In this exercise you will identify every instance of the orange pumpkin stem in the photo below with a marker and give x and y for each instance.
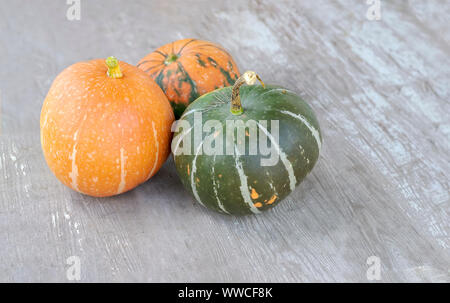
(113, 68)
(248, 78)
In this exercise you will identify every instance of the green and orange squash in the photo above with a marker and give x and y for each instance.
(236, 183)
(188, 68)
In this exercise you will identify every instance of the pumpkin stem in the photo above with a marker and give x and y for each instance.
(248, 78)
(170, 58)
(113, 68)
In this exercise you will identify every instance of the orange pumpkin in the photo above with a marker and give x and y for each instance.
(105, 127)
(188, 68)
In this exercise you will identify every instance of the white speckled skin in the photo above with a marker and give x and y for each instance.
(102, 136)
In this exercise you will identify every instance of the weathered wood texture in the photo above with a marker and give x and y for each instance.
(381, 186)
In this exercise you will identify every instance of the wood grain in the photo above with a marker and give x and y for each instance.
(381, 187)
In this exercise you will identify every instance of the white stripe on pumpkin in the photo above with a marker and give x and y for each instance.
(215, 185)
(194, 169)
(245, 193)
(155, 136)
(314, 131)
(287, 164)
(74, 172)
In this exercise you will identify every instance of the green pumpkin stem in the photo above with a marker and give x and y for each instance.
(170, 59)
(248, 78)
(113, 68)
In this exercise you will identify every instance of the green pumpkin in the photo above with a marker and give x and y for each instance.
(229, 177)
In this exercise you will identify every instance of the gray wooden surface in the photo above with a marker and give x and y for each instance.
(381, 187)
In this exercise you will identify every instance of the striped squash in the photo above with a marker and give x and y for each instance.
(236, 183)
(188, 68)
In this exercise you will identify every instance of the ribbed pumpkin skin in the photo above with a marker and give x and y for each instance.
(215, 180)
(103, 136)
(200, 67)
